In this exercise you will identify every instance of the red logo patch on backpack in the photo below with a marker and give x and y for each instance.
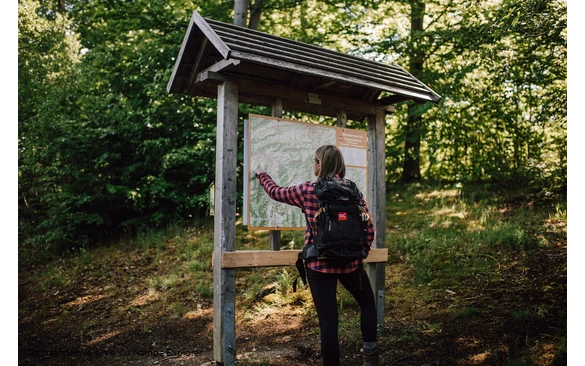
(342, 216)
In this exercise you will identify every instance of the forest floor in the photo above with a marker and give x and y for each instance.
(123, 305)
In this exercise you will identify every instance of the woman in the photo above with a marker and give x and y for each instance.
(323, 277)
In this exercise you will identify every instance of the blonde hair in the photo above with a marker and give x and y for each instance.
(331, 160)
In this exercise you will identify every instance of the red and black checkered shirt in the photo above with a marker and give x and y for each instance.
(303, 196)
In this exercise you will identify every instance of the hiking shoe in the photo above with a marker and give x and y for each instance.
(373, 359)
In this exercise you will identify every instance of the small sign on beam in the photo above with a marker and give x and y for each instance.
(313, 98)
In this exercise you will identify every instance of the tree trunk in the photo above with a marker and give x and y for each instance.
(240, 12)
(411, 166)
(413, 130)
(255, 14)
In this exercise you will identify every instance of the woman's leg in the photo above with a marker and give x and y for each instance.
(324, 288)
(365, 298)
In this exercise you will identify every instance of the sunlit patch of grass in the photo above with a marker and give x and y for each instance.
(440, 254)
(302, 299)
(448, 239)
(265, 309)
(268, 294)
(285, 281)
(152, 295)
(169, 281)
(560, 211)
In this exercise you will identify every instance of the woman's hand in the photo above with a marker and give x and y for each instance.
(259, 170)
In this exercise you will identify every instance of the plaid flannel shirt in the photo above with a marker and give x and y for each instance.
(303, 196)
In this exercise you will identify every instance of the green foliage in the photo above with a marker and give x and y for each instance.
(459, 232)
(109, 151)
(104, 151)
(500, 68)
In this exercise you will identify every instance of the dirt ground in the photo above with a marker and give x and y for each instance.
(100, 320)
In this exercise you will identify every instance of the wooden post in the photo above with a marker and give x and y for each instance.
(341, 118)
(224, 280)
(377, 205)
(275, 234)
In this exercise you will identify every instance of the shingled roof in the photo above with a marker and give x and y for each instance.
(308, 78)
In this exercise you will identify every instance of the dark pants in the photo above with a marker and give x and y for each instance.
(324, 290)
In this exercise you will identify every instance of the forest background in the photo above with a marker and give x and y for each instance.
(103, 150)
(105, 153)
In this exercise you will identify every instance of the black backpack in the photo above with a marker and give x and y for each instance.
(341, 222)
(341, 225)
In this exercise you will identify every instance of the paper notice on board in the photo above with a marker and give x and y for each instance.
(354, 146)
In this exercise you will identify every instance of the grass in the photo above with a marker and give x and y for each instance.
(445, 244)
(448, 238)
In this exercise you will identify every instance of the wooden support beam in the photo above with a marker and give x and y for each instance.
(275, 234)
(266, 258)
(201, 55)
(222, 65)
(377, 205)
(294, 95)
(341, 118)
(224, 279)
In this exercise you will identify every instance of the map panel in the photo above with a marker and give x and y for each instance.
(285, 149)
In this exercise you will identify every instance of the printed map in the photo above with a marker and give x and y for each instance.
(285, 149)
